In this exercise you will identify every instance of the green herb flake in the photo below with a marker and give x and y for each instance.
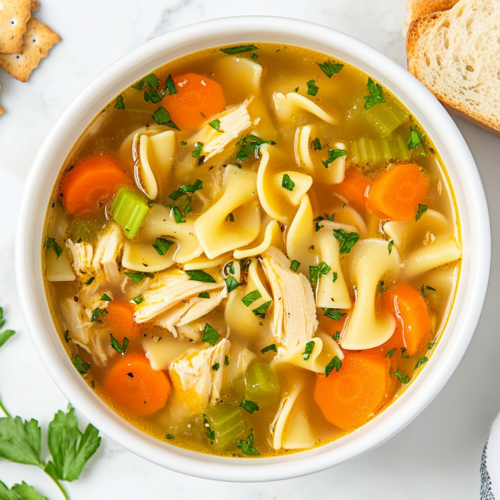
(204, 295)
(169, 436)
(178, 217)
(231, 284)
(312, 89)
(295, 266)
(153, 96)
(162, 117)
(421, 361)
(403, 353)
(162, 245)
(376, 94)
(254, 57)
(333, 314)
(197, 151)
(199, 275)
(335, 277)
(81, 367)
(250, 146)
(210, 335)
(239, 49)
(390, 353)
(251, 297)
(335, 363)
(415, 139)
(183, 143)
(106, 298)
(67, 337)
(230, 218)
(382, 287)
(431, 345)
(404, 379)
(52, 243)
(330, 68)
(151, 80)
(308, 350)
(336, 336)
(186, 188)
(287, 183)
(268, 348)
(215, 124)
(421, 211)
(169, 86)
(120, 104)
(226, 360)
(317, 145)
(216, 367)
(138, 277)
(317, 271)
(347, 240)
(138, 300)
(249, 406)
(389, 246)
(120, 349)
(96, 313)
(261, 311)
(334, 154)
(248, 448)
(90, 281)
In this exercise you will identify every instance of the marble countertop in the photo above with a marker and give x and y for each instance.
(435, 457)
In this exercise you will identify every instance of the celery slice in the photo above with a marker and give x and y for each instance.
(261, 382)
(129, 209)
(372, 152)
(224, 426)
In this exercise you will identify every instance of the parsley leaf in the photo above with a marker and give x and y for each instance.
(90, 281)
(287, 183)
(250, 145)
(138, 277)
(67, 337)
(421, 211)
(151, 80)
(81, 367)
(6, 335)
(262, 310)
(316, 271)
(333, 314)
(421, 361)
(376, 95)
(335, 363)
(347, 240)
(216, 367)
(247, 448)
(138, 299)
(308, 350)
(249, 406)
(268, 348)
(153, 96)
(215, 124)
(162, 245)
(162, 117)
(169, 86)
(251, 297)
(389, 246)
(169, 436)
(431, 345)
(294, 266)
(204, 295)
(335, 276)
(317, 144)
(336, 336)
(238, 49)
(197, 151)
(183, 143)
(70, 449)
(51, 243)
(210, 335)
(404, 379)
(106, 298)
(403, 353)
(254, 57)
(119, 104)
(186, 188)
(390, 353)
(96, 313)
(20, 441)
(415, 139)
(312, 89)
(231, 284)
(334, 154)
(199, 275)
(330, 68)
(179, 218)
(120, 349)
(21, 491)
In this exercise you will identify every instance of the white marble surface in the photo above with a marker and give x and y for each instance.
(435, 457)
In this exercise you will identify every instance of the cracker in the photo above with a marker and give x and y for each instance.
(37, 42)
(14, 16)
(34, 5)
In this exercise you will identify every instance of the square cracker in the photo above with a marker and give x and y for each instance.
(14, 16)
(37, 42)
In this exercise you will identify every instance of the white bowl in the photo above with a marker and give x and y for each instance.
(441, 129)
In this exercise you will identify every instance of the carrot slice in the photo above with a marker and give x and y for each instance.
(413, 320)
(399, 191)
(91, 182)
(197, 99)
(349, 397)
(120, 320)
(136, 387)
(353, 187)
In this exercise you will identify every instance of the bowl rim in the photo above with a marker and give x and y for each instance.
(461, 168)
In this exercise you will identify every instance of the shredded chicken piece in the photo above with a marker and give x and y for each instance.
(232, 125)
(82, 257)
(167, 290)
(107, 252)
(294, 311)
(196, 384)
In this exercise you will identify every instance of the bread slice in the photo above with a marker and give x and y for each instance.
(417, 8)
(456, 55)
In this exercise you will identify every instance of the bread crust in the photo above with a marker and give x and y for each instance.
(417, 8)
(418, 28)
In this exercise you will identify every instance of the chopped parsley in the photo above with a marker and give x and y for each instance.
(90, 281)
(106, 298)
(421, 361)
(215, 124)
(169, 436)
(287, 183)
(317, 144)
(347, 240)
(226, 360)
(183, 143)
(216, 367)
(230, 218)
(389, 246)
(151, 80)
(268, 348)
(162, 117)
(199, 275)
(198, 147)
(254, 57)
(425, 287)
(294, 266)
(334, 364)
(415, 139)
(404, 379)
(231, 284)
(179, 218)
(210, 335)
(335, 276)
(153, 96)
(312, 89)
(308, 350)
(330, 68)
(382, 287)
(333, 154)
(204, 295)
(376, 95)
(421, 211)
(317, 271)
(82, 367)
(403, 353)
(52, 243)
(431, 345)
(67, 337)
(119, 104)
(239, 49)
(250, 145)
(138, 300)
(169, 86)
(138, 277)
(262, 310)
(120, 349)
(96, 313)
(390, 353)
(251, 297)
(249, 406)
(247, 448)
(162, 245)
(333, 314)
(336, 336)
(187, 188)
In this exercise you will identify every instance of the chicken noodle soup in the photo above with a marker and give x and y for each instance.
(251, 251)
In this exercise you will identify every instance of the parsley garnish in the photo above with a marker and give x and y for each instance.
(199, 275)
(376, 95)
(254, 57)
(169, 86)
(295, 266)
(216, 367)
(67, 337)
(425, 287)
(250, 145)
(431, 345)
(389, 246)
(169, 436)
(336, 336)
(162, 117)
(247, 448)
(51, 243)
(421, 211)
(162, 245)
(415, 139)
(231, 284)
(238, 49)
(287, 183)
(249, 406)
(210, 335)
(81, 367)
(186, 188)
(347, 240)
(382, 287)
(198, 147)
(96, 313)
(316, 271)
(90, 281)
(230, 218)
(251, 297)
(183, 143)
(390, 353)
(153, 96)
(421, 361)
(138, 277)
(403, 353)
(119, 104)
(335, 363)
(204, 295)
(106, 298)
(215, 124)
(308, 350)
(333, 314)
(334, 154)
(335, 276)
(209, 432)
(120, 349)
(404, 379)
(262, 310)
(138, 299)
(329, 68)
(226, 360)
(271, 347)
(151, 80)
(312, 89)
(317, 144)
(179, 218)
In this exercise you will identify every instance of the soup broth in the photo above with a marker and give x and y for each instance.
(251, 251)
